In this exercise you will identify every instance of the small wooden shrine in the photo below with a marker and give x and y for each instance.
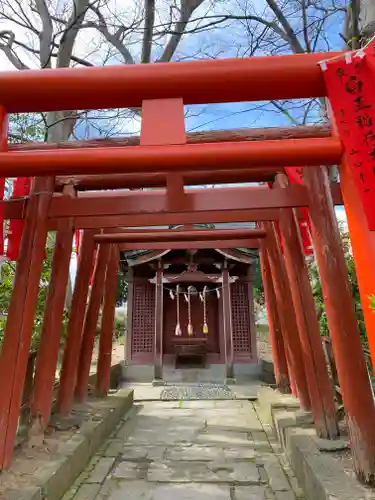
(189, 309)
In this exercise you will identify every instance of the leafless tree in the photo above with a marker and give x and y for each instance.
(57, 33)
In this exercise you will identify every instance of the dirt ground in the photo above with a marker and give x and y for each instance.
(28, 460)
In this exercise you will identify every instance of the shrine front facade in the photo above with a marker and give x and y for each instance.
(190, 311)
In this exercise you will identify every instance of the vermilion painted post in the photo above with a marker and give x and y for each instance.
(227, 324)
(48, 353)
(346, 342)
(319, 383)
(103, 374)
(20, 322)
(68, 376)
(91, 321)
(287, 316)
(276, 338)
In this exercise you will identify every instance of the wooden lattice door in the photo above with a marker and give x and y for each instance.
(143, 330)
(241, 321)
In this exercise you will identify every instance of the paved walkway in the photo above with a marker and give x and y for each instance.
(189, 450)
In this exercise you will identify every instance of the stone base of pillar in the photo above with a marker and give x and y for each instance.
(230, 381)
(158, 382)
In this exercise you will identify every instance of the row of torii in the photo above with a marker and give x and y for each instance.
(166, 157)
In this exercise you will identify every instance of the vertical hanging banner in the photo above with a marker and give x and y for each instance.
(294, 175)
(21, 189)
(77, 238)
(350, 82)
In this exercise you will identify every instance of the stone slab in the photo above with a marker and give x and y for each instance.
(226, 438)
(276, 476)
(332, 444)
(141, 490)
(87, 492)
(101, 470)
(204, 472)
(318, 474)
(249, 493)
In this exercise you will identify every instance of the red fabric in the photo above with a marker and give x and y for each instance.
(93, 264)
(2, 188)
(294, 175)
(350, 86)
(21, 188)
(77, 236)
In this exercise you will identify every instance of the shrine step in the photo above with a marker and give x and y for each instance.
(214, 373)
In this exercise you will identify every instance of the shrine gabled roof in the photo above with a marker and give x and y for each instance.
(135, 257)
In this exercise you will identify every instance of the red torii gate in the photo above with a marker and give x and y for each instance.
(164, 149)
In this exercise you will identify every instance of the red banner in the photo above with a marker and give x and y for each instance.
(294, 175)
(21, 188)
(351, 90)
(77, 237)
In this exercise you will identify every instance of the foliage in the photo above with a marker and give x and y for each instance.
(6, 287)
(122, 288)
(257, 283)
(26, 127)
(318, 292)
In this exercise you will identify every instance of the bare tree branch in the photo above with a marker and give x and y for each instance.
(45, 35)
(69, 37)
(292, 37)
(148, 31)
(114, 39)
(186, 10)
(6, 45)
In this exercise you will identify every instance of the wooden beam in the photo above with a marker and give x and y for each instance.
(179, 235)
(208, 136)
(132, 202)
(173, 158)
(196, 82)
(92, 210)
(170, 218)
(191, 245)
(136, 181)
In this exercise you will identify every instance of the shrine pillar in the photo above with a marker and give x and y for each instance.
(276, 337)
(45, 371)
(287, 316)
(68, 375)
(158, 336)
(18, 331)
(319, 383)
(103, 373)
(346, 342)
(227, 325)
(252, 326)
(91, 321)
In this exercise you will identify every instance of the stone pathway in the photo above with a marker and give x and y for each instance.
(189, 450)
